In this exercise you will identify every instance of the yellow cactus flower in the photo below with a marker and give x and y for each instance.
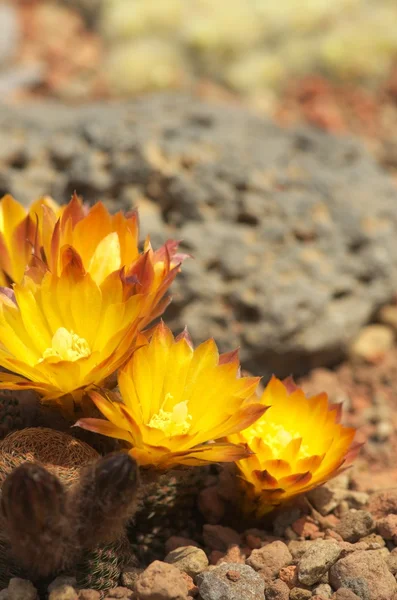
(176, 399)
(20, 236)
(297, 445)
(108, 244)
(104, 243)
(61, 334)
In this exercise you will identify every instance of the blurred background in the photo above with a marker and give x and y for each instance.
(332, 64)
(77, 50)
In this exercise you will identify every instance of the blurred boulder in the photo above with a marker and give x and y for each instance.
(294, 232)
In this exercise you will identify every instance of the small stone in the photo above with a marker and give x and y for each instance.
(89, 595)
(190, 560)
(192, 589)
(324, 590)
(222, 583)
(161, 581)
(233, 555)
(175, 542)
(21, 589)
(289, 575)
(388, 315)
(345, 594)
(317, 560)
(120, 592)
(277, 590)
(62, 580)
(366, 574)
(305, 527)
(387, 527)
(218, 537)
(63, 592)
(383, 503)
(354, 525)
(391, 561)
(372, 343)
(4, 594)
(272, 558)
(299, 594)
(299, 547)
(327, 497)
(130, 577)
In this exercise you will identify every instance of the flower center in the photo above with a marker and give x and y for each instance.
(67, 345)
(277, 438)
(177, 422)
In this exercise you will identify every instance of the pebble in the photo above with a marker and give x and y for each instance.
(4, 594)
(277, 590)
(387, 527)
(366, 573)
(21, 589)
(231, 581)
(63, 592)
(324, 590)
(192, 589)
(388, 316)
(271, 558)
(289, 575)
(235, 554)
(218, 537)
(120, 592)
(89, 595)
(305, 527)
(345, 594)
(372, 343)
(300, 594)
(327, 497)
(317, 560)
(62, 580)
(299, 547)
(130, 577)
(189, 559)
(161, 581)
(391, 561)
(354, 525)
(383, 503)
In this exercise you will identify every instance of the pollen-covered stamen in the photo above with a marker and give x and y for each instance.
(67, 345)
(177, 422)
(277, 438)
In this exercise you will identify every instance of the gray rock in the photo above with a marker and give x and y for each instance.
(317, 560)
(189, 559)
(21, 589)
(231, 581)
(355, 525)
(292, 254)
